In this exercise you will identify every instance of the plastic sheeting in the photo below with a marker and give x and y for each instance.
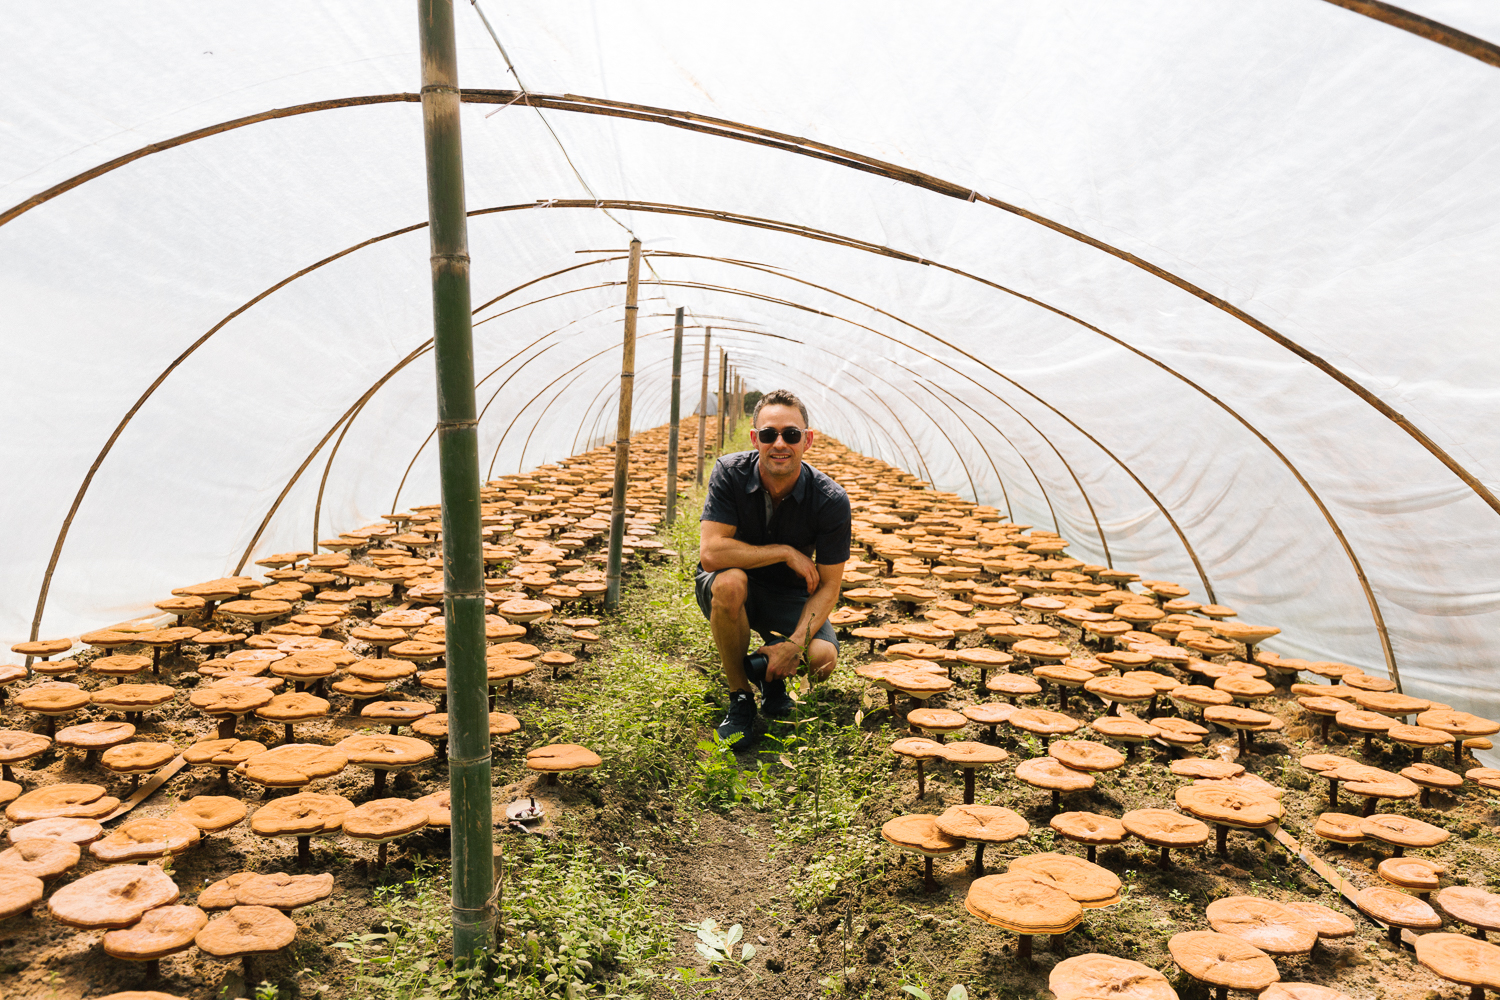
(1332, 176)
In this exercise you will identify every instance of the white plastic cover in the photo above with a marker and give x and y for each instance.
(1334, 177)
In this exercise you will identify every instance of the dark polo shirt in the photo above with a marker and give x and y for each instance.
(813, 519)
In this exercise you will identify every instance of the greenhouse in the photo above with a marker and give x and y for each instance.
(406, 408)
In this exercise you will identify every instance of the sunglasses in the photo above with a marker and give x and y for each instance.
(768, 435)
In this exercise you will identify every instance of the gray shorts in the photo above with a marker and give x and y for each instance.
(770, 609)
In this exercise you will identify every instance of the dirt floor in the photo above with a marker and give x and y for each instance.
(829, 908)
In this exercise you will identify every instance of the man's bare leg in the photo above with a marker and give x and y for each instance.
(822, 657)
(731, 626)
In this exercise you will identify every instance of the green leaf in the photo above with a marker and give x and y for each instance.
(747, 953)
(918, 992)
(958, 992)
(733, 937)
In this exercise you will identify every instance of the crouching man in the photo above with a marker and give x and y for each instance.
(774, 539)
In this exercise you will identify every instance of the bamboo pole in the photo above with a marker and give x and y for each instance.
(723, 403)
(473, 862)
(708, 338)
(622, 430)
(676, 418)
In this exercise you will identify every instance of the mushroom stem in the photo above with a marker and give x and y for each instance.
(304, 850)
(379, 781)
(153, 969)
(968, 786)
(1393, 935)
(380, 855)
(551, 777)
(1164, 860)
(978, 858)
(6, 774)
(1221, 840)
(1368, 746)
(928, 882)
(1056, 800)
(921, 780)
(1221, 993)
(1333, 792)
(226, 726)
(156, 659)
(1323, 723)
(1458, 749)
(51, 726)
(1425, 797)
(1370, 803)
(1091, 850)
(286, 736)
(890, 702)
(1023, 947)
(247, 969)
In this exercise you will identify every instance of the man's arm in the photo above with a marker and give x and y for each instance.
(719, 549)
(785, 656)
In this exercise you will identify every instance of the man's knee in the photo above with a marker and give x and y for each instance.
(822, 657)
(730, 587)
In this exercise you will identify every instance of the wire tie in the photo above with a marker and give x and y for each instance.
(973, 195)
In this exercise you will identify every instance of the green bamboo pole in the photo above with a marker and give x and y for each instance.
(708, 339)
(458, 454)
(622, 430)
(723, 403)
(676, 418)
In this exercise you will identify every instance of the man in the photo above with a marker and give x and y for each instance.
(774, 539)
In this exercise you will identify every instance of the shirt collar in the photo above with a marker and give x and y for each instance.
(799, 492)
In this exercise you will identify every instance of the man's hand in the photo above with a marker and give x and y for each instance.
(803, 567)
(783, 657)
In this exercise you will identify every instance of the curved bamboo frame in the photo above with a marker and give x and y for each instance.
(724, 128)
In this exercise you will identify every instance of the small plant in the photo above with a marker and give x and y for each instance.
(267, 991)
(718, 780)
(958, 992)
(719, 946)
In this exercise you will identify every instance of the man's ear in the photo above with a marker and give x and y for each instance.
(810, 436)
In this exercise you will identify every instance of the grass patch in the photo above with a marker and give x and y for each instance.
(573, 927)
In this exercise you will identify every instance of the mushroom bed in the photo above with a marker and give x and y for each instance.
(653, 843)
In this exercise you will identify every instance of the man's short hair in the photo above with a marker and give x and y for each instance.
(780, 397)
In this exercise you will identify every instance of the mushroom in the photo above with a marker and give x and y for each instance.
(222, 753)
(936, 722)
(303, 816)
(1091, 977)
(1402, 832)
(981, 825)
(919, 833)
(969, 756)
(1465, 904)
(52, 701)
(17, 746)
(1133, 732)
(227, 703)
(1086, 755)
(384, 820)
(1416, 874)
(1051, 774)
(1088, 829)
(136, 759)
(1243, 721)
(382, 754)
(1045, 724)
(1227, 807)
(291, 708)
(144, 839)
(256, 611)
(277, 890)
(39, 857)
(1341, 828)
(42, 649)
(1458, 725)
(18, 894)
(94, 737)
(1264, 923)
(991, 714)
(918, 749)
(1329, 923)
(133, 699)
(71, 800)
(435, 727)
(1462, 960)
(1019, 903)
(125, 665)
(165, 638)
(396, 713)
(1165, 830)
(211, 813)
(1012, 686)
(293, 765)
(1396, 909)
(1374, 784)
(1223, 962)
(561, 758)
(246, 932)
(1091, 885)
(1202, 767)
(75, 830)
(112, 897)
(163, 931)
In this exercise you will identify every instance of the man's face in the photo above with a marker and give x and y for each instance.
(779, 458)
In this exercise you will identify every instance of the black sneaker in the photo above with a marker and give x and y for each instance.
(739, 718)
(775, 703)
